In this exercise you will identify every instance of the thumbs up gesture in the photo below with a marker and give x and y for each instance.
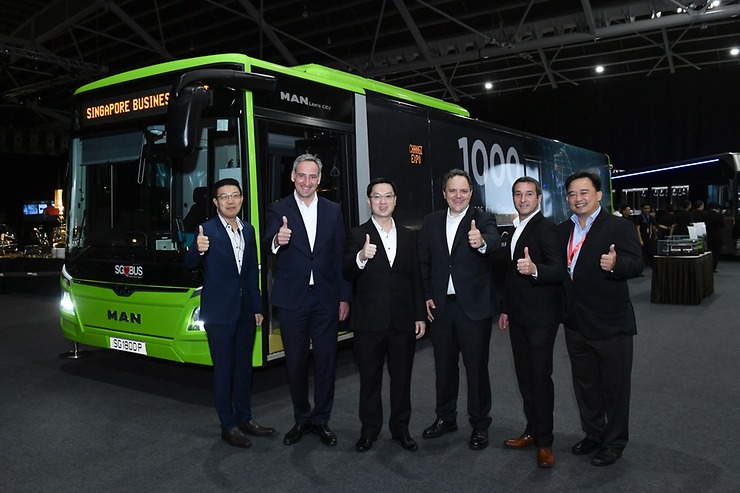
(475, 239)
(368, 249)
(283, 236)
(609, 259)
(525, 266)
(201, 241)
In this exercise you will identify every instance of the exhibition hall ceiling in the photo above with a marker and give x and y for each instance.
(460, 51)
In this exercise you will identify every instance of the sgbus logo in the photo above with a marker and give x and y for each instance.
(132, 271)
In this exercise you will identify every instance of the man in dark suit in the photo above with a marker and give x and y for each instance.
(715, 223)
(531, 308)
(231, 308)
(306, 234)
(387, 315)
(602, 252)
(454, 248)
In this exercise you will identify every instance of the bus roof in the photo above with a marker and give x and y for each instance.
(316, 73)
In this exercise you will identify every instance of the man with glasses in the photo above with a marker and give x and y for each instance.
(305, 232)
(455, 245)
(230, 308)
(382, 261)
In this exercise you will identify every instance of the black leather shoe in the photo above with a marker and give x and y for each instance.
(407, 442)
(585, 446)
(296, 433)
(235, 437)
(252, 428)
(439, 428)
(606, 457)
(326, 436)
(364, 444)
(479, 439)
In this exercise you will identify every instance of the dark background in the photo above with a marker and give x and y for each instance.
(638, 123)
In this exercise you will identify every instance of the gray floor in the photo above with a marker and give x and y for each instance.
(118, 422)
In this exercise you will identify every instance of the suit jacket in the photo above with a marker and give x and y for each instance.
(470, 269)
(526, 300)
(296, 260)
(597, 303)
(226, 292)
(384, 296)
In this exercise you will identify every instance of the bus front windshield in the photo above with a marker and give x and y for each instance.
(128, 195)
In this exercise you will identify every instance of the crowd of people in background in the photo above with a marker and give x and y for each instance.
(655, 225)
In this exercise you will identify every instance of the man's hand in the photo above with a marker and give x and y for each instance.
(343, 310)
(201, 241)
(475, 239)
(608, 260)
(503, 321)
(420, 328)
(525, 266)
(430, 306)
(282, 237)
(368, 250)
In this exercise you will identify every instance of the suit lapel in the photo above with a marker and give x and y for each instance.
(296, 224)
(521, 242)
(375, 239)
(462, 229)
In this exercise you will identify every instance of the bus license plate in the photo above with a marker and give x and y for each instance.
(128, 346)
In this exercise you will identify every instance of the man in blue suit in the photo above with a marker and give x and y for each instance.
(231, 308)
(305, 232)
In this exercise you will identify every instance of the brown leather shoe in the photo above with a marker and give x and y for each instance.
(523, 441)
(545, 457)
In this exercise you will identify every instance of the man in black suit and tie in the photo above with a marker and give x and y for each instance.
(602, 252)
(306, 234)
(531, 310)
(454, 248)
(387, 314)
(231, 308)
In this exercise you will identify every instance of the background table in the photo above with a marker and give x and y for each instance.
(683, 280)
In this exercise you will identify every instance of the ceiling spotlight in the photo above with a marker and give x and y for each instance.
(488, 86)
(599, 69)
(735, 51)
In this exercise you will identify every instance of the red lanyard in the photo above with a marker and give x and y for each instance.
(573, 250)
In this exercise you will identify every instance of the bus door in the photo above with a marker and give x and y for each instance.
(279, 143)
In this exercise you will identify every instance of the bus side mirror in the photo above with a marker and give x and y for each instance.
(189, 97)
(183, 117)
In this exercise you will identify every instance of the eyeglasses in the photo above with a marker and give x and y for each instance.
(377, 197)
(226, 196)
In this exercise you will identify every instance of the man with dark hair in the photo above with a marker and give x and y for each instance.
(666, 223)
(305, 232)
(697, 213)
(646, 233)
(602, 253)
(387, 315)
(715, 223)
(454, 248)
(531, 309)
(231, 308)
(683, 219)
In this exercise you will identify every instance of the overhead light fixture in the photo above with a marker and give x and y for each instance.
(488, 86)
(599, 69)
(735, 51)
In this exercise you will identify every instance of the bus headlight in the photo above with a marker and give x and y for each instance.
(66, 304)
(196, 325)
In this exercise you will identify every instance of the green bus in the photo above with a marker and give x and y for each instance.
(148, 144)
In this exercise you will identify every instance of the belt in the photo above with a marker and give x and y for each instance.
(451, 297)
